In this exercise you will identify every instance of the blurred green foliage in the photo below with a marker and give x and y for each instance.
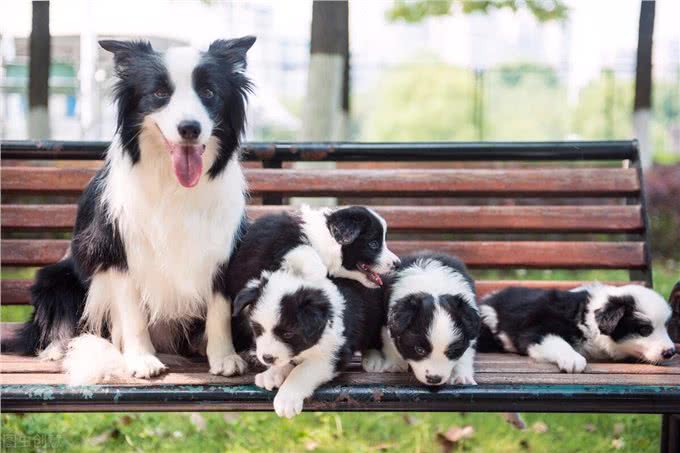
(416, 11)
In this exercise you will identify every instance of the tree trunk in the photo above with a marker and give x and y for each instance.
(326, 105)
(643, 81)
(39, 71)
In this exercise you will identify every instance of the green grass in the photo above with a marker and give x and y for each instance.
(333, 432)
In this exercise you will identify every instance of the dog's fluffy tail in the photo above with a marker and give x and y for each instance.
(58, 297)
(91, 359)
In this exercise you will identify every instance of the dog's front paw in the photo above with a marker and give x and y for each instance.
(373, 361)
(144, 366)
(466, 378)
(228, 365)
(271, 378)
(572, 363)
(52, 353)
(288, 404)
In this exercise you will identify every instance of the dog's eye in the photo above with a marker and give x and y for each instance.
(420, 351)
(646, 331)
(375, 245)
(288, 335)
(207, 93)
(162, 93)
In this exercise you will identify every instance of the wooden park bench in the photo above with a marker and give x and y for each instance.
(540, 208)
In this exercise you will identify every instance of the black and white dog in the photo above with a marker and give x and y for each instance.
(158, 223)
(598, 322)
(306, 329)
(345, 242)
(432, 321)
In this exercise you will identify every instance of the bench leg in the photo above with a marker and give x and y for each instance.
(670, 433)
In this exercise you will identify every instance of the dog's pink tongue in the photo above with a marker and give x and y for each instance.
(187, 163)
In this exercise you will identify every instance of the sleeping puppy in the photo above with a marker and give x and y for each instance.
(347, 242)
(306, 330)
(432, 321)
(568, 327)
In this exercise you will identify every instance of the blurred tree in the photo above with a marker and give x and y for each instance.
(39, 68)
(415, 11)
(643, 81)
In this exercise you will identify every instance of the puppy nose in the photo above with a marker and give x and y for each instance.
(433, 379)
(189, 130)
(668, 353)
(268, 359)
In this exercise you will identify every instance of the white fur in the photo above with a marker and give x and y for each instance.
(489, 317)
(91, 359)
(386, 259)
(556, 350)
(305, 262)
(441, 334)
(222, 356)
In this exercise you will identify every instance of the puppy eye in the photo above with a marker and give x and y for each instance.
(420, 351)
(646, 331)
(288, 335)
(162, 93)
(375, 245)
(207, 93)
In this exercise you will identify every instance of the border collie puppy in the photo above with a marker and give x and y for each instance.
(158, 223)
(674, 325)
(567, 327)
(346, 242)
(432, 321)
(306, 330)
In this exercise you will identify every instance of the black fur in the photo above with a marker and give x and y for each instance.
(617, 319)
(674, 324)
(360, 233)
(57, 298)
(527, 315)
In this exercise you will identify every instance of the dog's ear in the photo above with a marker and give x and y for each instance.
(609, 316)
(234, 50)
(313, 313)
(125, 51)
(246, 297)
(346, 224)
(403, 312)
(467, 317)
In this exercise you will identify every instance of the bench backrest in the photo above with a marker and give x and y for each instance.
(498, 206)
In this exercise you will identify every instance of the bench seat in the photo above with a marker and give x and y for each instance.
(507, 382)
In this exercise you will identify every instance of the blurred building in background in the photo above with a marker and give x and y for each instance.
(497, 76)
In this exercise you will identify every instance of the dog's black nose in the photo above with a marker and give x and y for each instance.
(668, 353)
(269, 359)
(189, 130)
(433, 379)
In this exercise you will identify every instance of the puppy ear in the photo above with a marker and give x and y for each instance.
(404, 311)
(609, 316)
(312, 316)
(125, 51)
(345, 225)
(467, 317)
(674, 324)
(245, 298)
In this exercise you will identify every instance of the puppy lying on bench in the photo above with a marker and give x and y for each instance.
(569, 327)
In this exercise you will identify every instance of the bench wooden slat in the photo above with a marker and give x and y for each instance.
(16, 292)
(409, 218)
(377, 379)
(530, 254)
(400, 182)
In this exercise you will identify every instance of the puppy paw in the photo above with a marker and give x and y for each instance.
(144, 366)
(228, 365)
(271, 378)
(288, 404)
(462, 379)
(52, 353)
(572, 363)
(372, 361)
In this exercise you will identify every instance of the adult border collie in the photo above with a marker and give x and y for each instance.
(157, 225)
